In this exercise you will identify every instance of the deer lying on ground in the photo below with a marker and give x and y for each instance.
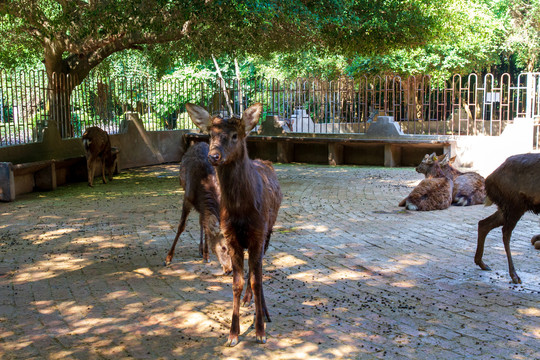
(469, 187)
(433, 193)
(513, 187)
(98, 148)
(250, 200)
(201, 191)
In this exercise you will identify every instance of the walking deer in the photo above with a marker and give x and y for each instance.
(250, 201)
(98, 148)
(513, 187)
(469, 187)
(201, 191)
(433, 193)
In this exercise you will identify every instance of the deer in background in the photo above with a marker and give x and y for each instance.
(201, 191)
(97, 147)
(469, 187)
(250, 200)
(433, 193)
(514, 188)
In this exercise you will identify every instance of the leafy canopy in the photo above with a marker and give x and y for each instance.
(76, 36)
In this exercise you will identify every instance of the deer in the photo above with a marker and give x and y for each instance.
(201, 191)
(469, 187)
(513, 187)
(250, 200)
(97, 147)
(433, 193)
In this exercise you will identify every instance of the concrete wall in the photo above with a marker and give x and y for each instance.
(485, 153)
(139, 147)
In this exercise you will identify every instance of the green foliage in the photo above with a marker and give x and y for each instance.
(524, 32)
(473, 41)
(76, 36)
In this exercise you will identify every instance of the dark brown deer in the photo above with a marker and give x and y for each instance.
(513, 187)
(250, 200)
(98, 148)
(469, 187)
(201, 191)
(434, 193)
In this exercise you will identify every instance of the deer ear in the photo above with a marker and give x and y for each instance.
(251, 116)
(199, 116)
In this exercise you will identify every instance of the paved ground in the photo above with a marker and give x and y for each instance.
(348, 275)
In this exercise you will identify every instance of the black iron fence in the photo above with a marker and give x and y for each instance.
(465, 105)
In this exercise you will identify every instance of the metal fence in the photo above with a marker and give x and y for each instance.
(465, 105)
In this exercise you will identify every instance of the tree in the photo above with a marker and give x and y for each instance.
(524, 39)
(473, 41)
(73, 37)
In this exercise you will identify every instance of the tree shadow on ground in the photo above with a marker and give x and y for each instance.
(82, 276)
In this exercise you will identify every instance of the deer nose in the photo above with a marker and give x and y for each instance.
(214, 158)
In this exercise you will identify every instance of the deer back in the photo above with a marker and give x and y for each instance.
(514, 184)
(96, 142)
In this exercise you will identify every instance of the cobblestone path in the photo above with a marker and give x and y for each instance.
(348, 275)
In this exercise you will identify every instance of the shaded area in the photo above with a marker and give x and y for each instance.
(348, 274)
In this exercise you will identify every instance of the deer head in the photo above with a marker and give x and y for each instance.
(227, 136)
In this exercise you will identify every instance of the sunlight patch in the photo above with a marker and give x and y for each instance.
(144, 271)
(530, 312)
(287, 260)
(404, 284)
(50, 268)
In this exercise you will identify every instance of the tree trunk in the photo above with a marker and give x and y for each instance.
(60, 89)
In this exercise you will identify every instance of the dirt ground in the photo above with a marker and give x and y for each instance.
(348, 275)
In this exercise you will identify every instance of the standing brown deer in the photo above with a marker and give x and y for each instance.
(98, 148)
(469, 187)
(250, 200)
(201, 191)
(513, 187)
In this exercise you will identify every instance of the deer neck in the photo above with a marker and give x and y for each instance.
(238, 183)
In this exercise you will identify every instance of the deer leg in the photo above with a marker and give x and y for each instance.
(484, 227)
(203, 243)
(507, 229)
(237, 257)
(181, 226)
(255, 277)
(248, 294)
(103, 171)
(266, 313)
(90, 170)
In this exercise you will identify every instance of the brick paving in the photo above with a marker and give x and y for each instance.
(348, 275)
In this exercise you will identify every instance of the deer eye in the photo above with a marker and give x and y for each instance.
(234, 137)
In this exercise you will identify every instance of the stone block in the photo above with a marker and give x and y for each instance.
(384, 127)
(7, 182)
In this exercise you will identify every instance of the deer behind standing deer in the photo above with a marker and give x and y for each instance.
(250, 200)
(514, 188)
(201, 191)
(98, 148)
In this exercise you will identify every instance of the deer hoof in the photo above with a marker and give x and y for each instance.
(516, 279)
(482, 265)
(232, 341)
(261, 339)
